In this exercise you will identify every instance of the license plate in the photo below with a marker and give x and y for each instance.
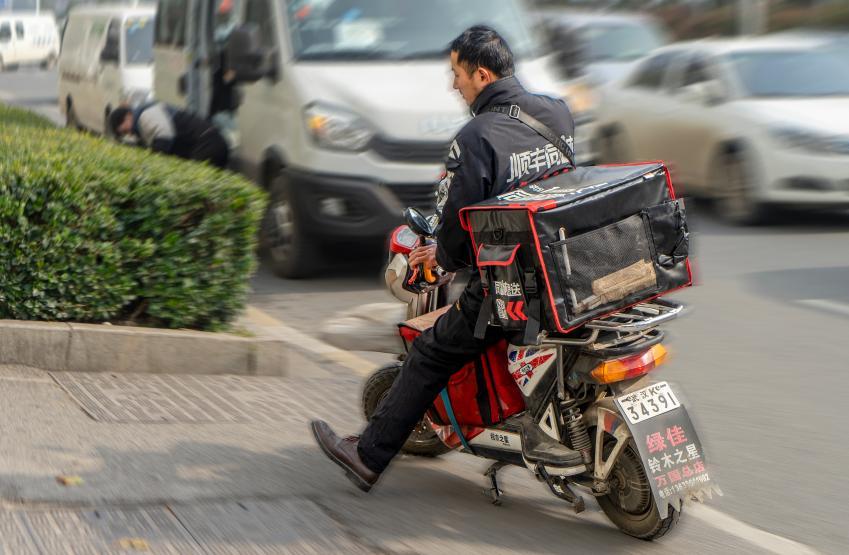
(648, 402)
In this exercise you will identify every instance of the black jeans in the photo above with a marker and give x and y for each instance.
(434, 356)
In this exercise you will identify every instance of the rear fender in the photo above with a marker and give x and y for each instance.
(605, 417)
(667, 488)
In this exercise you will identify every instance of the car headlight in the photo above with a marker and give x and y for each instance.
(812, 141)
(336, 128)
(582, 100)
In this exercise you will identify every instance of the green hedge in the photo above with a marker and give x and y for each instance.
(15, 117)
(92, 231)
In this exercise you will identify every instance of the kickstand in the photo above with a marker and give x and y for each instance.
(494, 492)
(561, 489)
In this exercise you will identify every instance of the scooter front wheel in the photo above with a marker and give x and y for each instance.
(423, 441)
(630, 505)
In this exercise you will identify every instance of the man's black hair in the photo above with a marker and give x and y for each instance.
(482, 46)
(116, 118)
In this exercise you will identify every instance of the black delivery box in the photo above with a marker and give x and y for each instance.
(579, 245)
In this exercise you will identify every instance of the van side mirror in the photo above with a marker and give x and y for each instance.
(109, 55)
(246, 56)
(568, 52)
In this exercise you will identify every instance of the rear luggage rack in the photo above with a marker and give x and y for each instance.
(638, 318)
(631, 324)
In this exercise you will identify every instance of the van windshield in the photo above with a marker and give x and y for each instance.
(398, 29)
(138, 40)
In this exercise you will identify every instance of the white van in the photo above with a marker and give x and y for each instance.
(351, 112)
(106, 59)
(28, 39)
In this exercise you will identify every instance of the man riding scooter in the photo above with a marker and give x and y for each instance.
(514, 138)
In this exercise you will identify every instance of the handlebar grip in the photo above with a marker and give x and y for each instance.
(428, 275)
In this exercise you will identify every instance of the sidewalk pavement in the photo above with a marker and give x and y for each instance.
(193, 464)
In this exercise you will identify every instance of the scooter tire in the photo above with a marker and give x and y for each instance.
(641, 522)
(423, 442)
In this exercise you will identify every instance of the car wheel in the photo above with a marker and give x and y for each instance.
(49, 62)
(733, 189)
(613, 148)
(289, 248)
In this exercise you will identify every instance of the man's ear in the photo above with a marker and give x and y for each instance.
(485, 75)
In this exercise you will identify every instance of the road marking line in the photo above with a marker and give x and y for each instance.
(835, 307)
(264, 324)
(756, 536)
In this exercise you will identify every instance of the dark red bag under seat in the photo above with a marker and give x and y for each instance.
(482, 392)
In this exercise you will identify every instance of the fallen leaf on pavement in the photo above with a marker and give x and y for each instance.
(137, 544)
(69, 480)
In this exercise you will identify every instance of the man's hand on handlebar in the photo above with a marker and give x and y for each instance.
(424, 255)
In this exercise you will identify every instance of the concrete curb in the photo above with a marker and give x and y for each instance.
(68, 347)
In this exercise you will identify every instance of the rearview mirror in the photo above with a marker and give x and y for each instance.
(417, 222)
(246, 56)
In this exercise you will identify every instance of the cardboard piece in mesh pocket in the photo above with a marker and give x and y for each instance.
(597, 239)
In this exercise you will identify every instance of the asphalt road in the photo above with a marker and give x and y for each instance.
(762, 358)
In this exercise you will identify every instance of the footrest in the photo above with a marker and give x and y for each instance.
(538, 447)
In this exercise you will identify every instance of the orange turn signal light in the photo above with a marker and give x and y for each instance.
(619, 369)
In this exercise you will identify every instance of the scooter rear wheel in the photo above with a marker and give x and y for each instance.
(423, 441)
(630, 504)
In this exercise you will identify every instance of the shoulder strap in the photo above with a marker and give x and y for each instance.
(542, 129)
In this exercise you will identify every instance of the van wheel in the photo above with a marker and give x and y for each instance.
(107, 130)
(49, 62)
(2, 64)
(289, 249)
(71, 121)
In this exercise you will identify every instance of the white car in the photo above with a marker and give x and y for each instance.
(749, 122)
(106, 60)
(593, 48)
(603, 46)
(28, 39)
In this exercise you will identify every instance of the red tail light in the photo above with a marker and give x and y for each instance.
(619, 369)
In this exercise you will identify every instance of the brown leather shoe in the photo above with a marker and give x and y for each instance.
(343, 451)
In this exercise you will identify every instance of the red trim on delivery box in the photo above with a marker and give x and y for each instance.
(497, 262)
(545, 274)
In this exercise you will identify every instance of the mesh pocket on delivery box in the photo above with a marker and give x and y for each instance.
(606, 265)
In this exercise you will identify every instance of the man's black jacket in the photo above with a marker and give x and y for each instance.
(493, 154)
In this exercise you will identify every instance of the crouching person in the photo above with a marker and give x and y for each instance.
(168, 130)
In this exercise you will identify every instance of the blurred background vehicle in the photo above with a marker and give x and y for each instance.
(750, 123)
(106, 59)
(590, 49)
(28, 38)
(346, 109)
(602, 46)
